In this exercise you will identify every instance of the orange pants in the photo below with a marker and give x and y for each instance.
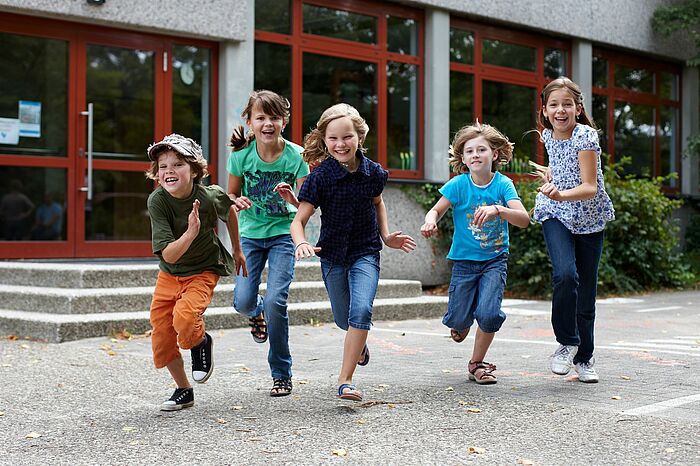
(176, 313)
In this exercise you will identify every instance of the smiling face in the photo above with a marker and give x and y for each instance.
(478, 156)
(341, 139)
(561, 110)
(267, 128)
(175, 175)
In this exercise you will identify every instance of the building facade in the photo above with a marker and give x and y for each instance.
(87, 85)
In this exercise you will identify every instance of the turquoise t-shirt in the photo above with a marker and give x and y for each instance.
(468, 241)
(270, 215)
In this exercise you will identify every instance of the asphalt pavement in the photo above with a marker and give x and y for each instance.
(96, 401)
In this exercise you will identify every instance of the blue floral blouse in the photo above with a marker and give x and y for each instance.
(580, 217)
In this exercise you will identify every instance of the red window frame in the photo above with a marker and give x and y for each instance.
(378, 53)
(483, 71)
(618, 94)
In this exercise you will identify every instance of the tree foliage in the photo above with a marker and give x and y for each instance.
(682, 17)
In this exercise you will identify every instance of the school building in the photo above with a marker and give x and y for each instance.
(87, 85)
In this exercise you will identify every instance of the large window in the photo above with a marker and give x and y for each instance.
(636, 103)
(496, 76)
(365, 53)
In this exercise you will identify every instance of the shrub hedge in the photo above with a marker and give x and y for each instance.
(640, 251)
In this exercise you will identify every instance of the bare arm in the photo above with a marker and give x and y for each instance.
(588, 164)
(394, 240)
(234, 192)
(174, 251)
(238, 257)
(514, 214)
(433, 216)
(302, 249)
(287, 193)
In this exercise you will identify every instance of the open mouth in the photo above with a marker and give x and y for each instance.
(170, 179)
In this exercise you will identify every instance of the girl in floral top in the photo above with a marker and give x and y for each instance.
(573, 207)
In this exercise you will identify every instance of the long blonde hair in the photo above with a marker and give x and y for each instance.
(271, 103)
(563, 82)
(315, 150)
(497, 142)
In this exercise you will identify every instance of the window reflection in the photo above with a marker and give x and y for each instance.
(340, 24)
(461, 46)
(461, 101)
(273, 71)
(402, 35)
(634, 79)
(402, 108)
(496, 52)
(600, 72)
(555, 61)
(32, 204)
(36, 70)
(273, 16)
(669, 143)
(599, 112)
(330, 80)
(192, 94)
(634, 136)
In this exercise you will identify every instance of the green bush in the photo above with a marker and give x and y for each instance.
(640, 250)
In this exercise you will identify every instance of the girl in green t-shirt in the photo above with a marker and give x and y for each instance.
(263, 168)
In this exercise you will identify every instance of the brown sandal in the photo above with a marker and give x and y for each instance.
(458, 336)
(258, 328)
(482, 372)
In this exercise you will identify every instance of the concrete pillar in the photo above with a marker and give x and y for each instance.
(582, 69)
(690, 164)
(437, 95)
(236, 81)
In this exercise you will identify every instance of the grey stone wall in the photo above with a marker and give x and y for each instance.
(619, 23)
(208, 19)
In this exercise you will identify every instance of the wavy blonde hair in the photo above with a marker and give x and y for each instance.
(496, 140)
(315, 150)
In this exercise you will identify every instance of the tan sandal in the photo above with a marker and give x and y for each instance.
(482, 372)
(458, 336)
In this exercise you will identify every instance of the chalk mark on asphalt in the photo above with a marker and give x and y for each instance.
(662, 405)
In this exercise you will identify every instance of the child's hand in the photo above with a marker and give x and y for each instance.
(396, 240)
(551, 191)
(428, 229)
(304, 250)
(193, 222)
(242, 203)
(239, 263)
(286, 192)
(484, 214)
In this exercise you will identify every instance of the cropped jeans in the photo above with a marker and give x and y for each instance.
(575, 259)
(278, 252)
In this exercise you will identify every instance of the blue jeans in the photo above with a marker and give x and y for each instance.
(278, 252)
(351, 290)
(575, 260)
(476, 292)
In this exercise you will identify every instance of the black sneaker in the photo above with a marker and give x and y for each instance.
(182, 398)
(202, 360)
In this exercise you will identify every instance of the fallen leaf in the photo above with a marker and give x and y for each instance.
(123, 335)
(477, 450)
(12, 337)
(221, 421)
(463, 403)
(391, 405)
(111, 353)
(296, 397)
(2, 413)
(625, 377)
(383, 385)
(33, 435)
(473, 410)
(7, 365)
(237, 408)
(249, 418)
(303, 382)
(244, 430)
(361, 421)
(670, 450)
(449, 389)
(616, 397)
(128, 429)
(254, 439)
(447, 371)
(340, 452)
(24, 346)
(525, 462)
(243, 369)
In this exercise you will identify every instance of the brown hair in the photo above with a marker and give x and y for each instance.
(198, 166)
(271, 103)
(315, 150)
(563, 82)
(496, 140)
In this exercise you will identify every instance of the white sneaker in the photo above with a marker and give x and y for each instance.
(563, 359)
(586, 372)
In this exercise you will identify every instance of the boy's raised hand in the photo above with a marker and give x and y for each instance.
(428, 229)
(396, 240)
(193, 222)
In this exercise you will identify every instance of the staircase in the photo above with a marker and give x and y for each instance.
(64, 301)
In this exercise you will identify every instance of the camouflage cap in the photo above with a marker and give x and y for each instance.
(186, 147)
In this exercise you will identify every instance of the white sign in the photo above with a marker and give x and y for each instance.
(9, 131)
(29, 119)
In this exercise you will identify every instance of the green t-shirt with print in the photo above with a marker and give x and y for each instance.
(169, 221)
(270, 215)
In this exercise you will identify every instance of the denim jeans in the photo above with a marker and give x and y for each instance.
(278, 252)
(575, 260)
(476, 292)
(351, 290)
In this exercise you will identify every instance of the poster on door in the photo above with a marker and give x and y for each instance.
(29, 119)
(9, 131)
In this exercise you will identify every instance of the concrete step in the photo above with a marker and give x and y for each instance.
(109, 275)
(56, 328)
(135, 299)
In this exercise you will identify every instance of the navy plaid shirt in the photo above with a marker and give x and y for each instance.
(349, 228)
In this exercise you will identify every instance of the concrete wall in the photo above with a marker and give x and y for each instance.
(618, 23)
(208, 19)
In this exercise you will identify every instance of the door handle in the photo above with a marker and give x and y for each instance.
(88, 189)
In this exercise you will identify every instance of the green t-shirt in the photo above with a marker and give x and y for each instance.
(270, 215)
(169, 222)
